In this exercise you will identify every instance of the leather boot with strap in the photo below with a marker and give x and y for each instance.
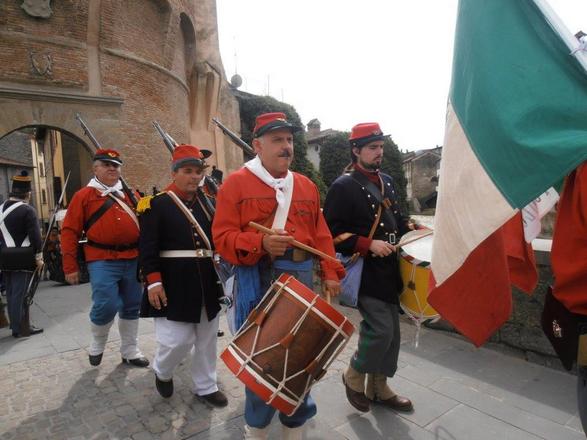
(377, 391)
(354, 383)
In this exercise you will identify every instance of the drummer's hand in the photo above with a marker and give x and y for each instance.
(333, 287)
(381, 248)
(72, 278)
(277, 244)
(157, 297)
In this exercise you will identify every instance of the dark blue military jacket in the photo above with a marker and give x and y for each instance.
(350, 207)
(189, 283)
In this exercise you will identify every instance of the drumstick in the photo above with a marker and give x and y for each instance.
(294, 242)
(326, 290)
(411, 240)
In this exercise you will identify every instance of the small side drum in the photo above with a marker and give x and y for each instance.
(414, 267)
(286, 344)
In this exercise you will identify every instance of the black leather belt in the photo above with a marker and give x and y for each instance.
(390, 237)
(113, 247)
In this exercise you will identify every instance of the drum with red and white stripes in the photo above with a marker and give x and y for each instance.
(286, 344)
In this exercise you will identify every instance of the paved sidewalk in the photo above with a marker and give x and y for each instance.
(49, 391)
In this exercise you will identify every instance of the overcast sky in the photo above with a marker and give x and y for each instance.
(345, 62)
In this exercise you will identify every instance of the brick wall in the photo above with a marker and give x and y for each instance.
(122, 64)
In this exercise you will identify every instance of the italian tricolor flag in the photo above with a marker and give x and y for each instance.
(516, 125)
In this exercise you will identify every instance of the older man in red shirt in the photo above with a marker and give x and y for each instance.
(266, 192)
(102, 212)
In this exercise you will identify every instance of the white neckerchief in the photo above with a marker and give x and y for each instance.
(105, 189)
(114, 190)
(283, 190)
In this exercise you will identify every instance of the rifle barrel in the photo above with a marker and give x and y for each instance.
(90, 135)
(167, 140)
(234, 138)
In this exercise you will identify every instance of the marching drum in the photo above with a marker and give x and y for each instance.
(286, 344)
(414, 265)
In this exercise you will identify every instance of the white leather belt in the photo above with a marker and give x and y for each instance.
(195, 253)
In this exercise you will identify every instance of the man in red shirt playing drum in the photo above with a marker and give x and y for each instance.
(102, 213)
(266, 192)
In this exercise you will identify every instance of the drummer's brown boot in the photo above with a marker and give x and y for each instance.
(354, 383)
(377, 391)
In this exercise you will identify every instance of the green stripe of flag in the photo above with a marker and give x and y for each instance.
(519, 95)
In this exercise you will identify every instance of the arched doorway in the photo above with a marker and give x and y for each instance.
(48, 154)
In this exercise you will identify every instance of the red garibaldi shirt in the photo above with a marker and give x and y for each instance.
(569, 243)
(114, 227)
(243, 197)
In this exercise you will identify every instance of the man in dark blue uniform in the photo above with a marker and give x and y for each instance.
(20, 229)
(363, 214)
(183, 291)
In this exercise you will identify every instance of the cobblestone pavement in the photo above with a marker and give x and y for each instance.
(49, 391)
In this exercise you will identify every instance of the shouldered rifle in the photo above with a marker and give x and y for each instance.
(38, 272)
(170, 143)
(131, 195)
(167, 140)
(234, 138)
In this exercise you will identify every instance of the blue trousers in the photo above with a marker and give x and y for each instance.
(115, 289)
(258, 414)
(16, 284)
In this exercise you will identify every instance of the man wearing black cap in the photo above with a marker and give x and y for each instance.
(363, 214)
(102, 213)
(267, 192)
(20, 229)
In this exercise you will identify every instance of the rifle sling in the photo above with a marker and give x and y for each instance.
(99, 213)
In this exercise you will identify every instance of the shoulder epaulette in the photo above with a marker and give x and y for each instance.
(145, 203)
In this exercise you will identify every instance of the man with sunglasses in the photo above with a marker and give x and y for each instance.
(102, 213)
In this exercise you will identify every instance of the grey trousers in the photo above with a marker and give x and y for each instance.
(16, 284)
(379, 337)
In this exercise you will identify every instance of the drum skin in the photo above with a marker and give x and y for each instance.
(287, 343)
(414, 266)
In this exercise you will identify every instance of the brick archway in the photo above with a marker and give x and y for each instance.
(18, 110)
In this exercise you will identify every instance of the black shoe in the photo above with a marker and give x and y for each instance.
(141, 362)
(95, 359)
(217, 399)
(36, 330)
(32, 331)
(165, 387)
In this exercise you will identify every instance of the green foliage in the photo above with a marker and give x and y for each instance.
(392, 165)
(253, 105)
(334, 156)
